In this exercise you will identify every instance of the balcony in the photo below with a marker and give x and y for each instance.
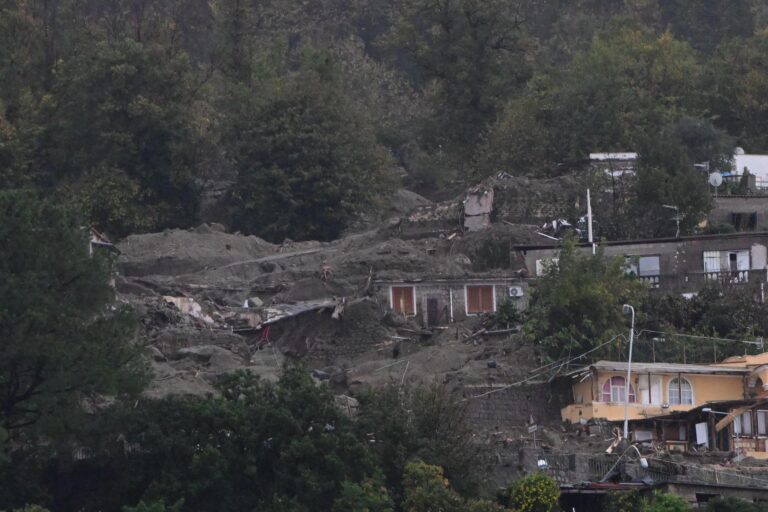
(694, 281)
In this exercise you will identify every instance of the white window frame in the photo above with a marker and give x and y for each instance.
(615, 394)
(466, 298)
(392, 297)
(679, 392)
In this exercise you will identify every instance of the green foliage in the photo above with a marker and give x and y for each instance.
(739, 77)
(368, 496)
(467, 55)
(259, 446)
(577, 305)
(62, 335)
(624, 501)
(665, 502)
(425, 422)
(158, 506)
(719, 311)
(731, 504)
(536, 492)
(123, 141)
(426, 489)
(305, 161)
(507, 314)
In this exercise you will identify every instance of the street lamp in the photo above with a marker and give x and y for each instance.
(628, 310)
(643, 461)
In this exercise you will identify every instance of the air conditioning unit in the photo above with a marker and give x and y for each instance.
(515, 291)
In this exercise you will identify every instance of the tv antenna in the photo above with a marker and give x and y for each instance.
(676, 218)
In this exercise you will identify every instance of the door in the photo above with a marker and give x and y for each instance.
(650, 392)
(433, 311)
(403, 300)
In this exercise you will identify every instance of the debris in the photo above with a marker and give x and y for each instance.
(189, 307)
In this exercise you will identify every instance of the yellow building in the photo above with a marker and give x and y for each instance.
(656, 389)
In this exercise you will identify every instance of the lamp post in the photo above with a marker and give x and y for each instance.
(627, 310)
(643, 461)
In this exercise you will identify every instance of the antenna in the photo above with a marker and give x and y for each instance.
(589, 223)
(676, 218)
(715, 179)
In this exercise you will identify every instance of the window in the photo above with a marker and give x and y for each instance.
(404, 300)
(480, 299)
(614, 390)
(648, 266)
(742, 424)
(680, 392)
(726, 261)
(762, 423)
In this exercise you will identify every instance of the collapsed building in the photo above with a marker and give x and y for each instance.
(419, 300)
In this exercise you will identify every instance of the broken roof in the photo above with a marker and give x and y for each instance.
(619, 366)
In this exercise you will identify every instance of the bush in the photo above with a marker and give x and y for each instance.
(537, 492)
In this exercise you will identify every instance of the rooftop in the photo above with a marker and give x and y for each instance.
(720, 236)
(619, 366)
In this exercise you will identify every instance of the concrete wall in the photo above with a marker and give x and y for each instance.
(681, 261)
(726, 206)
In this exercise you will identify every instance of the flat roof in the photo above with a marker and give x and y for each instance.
(720, 236)
(620, 366)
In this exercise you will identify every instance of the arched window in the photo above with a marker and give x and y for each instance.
(614, 390)
(680, 392)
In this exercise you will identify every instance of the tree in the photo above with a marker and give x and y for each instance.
(426, 489)
(737, 79)
(425, 422)
(536, 492)
(577, 305)
(120, 138)
(305, 161)
(466, 56)
(257, 446)
(731, 504)
(611, 96)
(368, 496)
(665, 502)
(62, 336)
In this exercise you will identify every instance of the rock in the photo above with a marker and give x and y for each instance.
(253, 302)
(155, 354)
(393, 319)
(320, 375)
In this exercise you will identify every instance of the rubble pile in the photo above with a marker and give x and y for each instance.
(212, 302)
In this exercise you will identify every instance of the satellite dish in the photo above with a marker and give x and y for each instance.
(715, 179)
(738, 151)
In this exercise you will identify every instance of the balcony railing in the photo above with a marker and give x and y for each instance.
(695, 281)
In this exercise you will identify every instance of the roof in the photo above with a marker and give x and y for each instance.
(613, 156)
(427, 280)
(719, 236)
(620, 366)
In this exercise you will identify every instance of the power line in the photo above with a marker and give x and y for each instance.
(695, 336)
(527, 379)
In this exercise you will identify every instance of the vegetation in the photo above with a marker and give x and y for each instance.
(577, 305)
(295, 113)
(537, 492)
(63, 337)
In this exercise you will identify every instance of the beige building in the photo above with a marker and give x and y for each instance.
(655, 389)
